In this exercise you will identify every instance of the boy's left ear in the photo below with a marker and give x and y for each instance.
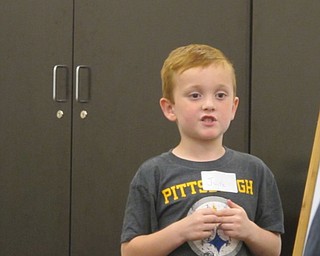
(235, 106)
(168, 109)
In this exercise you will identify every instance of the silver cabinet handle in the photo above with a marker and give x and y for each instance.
(78, 85)
(54, 79)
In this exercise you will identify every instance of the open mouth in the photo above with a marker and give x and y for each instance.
(208, 119)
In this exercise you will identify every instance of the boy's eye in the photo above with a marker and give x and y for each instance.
(221, 95)
(195, 95)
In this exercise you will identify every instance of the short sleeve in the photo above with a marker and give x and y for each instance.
(269, 212)
(140, 214)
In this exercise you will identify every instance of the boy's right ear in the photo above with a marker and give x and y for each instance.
(168, 109)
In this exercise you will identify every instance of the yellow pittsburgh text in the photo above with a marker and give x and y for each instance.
(194, 187)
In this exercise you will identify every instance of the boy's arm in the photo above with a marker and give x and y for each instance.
(157, 244)
(263, 242)
(235, 223)
(197, 226)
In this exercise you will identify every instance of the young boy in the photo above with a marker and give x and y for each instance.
(201, 198)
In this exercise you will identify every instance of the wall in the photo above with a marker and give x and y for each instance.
(285, 96)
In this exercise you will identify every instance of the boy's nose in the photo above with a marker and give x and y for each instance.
(208, 105)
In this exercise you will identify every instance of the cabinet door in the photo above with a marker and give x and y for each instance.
(285, 97)
(124, 44)
(35, 145)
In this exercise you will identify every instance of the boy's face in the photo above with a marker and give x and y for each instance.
(204, 103)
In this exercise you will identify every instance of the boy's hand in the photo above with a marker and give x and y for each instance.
(234, 221)
(198, 225)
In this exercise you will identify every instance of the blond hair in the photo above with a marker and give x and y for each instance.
(186, 57)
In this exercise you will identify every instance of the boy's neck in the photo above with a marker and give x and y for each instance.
(199, 152)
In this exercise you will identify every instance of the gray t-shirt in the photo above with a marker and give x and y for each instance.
(167, 188)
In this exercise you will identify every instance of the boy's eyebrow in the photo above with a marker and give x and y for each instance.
(217, 87)
(194, 86)
(223, 86)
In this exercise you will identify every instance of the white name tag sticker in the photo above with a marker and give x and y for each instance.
(219, 181)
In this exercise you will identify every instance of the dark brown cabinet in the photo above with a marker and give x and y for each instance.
(80, 84)
(35, 152)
